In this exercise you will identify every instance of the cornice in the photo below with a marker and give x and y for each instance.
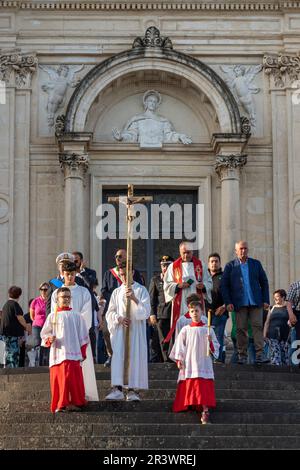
(241, 6)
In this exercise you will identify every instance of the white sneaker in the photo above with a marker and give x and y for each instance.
(133, 396)
(115, 394)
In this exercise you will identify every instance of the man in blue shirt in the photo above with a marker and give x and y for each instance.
(245, 290)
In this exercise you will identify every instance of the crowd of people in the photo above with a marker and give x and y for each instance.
(74, 323)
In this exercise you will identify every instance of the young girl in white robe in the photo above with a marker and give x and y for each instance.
(195, 388)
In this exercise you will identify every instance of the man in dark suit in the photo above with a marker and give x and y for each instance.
(245, 290)
(88, 275)
(160, 313)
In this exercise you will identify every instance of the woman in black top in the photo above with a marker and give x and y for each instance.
(12, 326)
(276, 329)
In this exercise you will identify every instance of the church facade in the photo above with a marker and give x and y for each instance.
(195, 102)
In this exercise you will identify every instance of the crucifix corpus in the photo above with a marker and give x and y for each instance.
(130, 201)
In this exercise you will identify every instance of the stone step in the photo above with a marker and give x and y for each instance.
(236, 405)
(263, 368)
(136, 430)
(162, 417)
(38, 395)
(220, 384)
(150, 442)
(244, 375)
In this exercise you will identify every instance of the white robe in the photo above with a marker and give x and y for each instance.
(138, 368)
(81, 302)
(71, 334)
(188, 272)
(190, 347)
(184, 321)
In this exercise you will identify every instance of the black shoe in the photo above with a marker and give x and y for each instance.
(107, 363)
(242, 360)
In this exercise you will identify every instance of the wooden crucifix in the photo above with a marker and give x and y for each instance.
(130, 200)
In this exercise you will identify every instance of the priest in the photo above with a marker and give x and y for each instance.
(185, 276)
(117, 323)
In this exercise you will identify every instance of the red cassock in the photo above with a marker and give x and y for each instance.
(193, 390)
(66, 383)
(66, 354)
(194, 393)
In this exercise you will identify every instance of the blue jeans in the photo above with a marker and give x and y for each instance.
(251, 352)
(219, 324)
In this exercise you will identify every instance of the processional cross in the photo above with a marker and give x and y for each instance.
(130, 200)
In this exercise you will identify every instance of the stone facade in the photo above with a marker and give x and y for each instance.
(218, 67)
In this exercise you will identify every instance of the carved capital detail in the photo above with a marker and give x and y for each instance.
(152, 38)
(17, 68)
(282, 68)
(229, 166)
(74, 165)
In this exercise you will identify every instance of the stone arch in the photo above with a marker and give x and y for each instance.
(162, 59)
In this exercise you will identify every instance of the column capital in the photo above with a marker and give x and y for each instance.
(74, 165)
(229, 166)
(283, 69)
(16, 68)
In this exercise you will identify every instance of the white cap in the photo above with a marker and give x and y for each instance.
(64, 257)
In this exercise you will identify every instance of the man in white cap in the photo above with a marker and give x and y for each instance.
(58, 281)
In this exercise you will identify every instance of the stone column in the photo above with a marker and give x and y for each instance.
(16, 72)
(74, 166)
(284, 73)
(228, 169)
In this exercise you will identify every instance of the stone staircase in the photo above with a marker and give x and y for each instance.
(258, 407)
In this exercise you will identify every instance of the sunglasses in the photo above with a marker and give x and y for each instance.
(45, 289)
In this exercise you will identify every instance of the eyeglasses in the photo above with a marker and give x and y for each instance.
(45, 289)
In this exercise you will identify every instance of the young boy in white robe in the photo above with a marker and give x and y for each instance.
(186, 319)
(195, 389)
(66, 334)
(117, 323)
(81, 302)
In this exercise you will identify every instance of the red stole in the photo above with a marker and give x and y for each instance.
(114, 273)
(177, 276)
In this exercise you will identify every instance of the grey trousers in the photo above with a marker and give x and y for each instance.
(255, 316)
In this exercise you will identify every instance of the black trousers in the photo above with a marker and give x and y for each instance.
(158, 349)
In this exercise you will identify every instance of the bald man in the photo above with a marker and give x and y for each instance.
(245, 290)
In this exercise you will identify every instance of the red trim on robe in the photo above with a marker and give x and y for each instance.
(194, 393)
(177, 276)
(67, 387)
(62, 309)
(116, 276)
(47, 343)
(83, 351)
(200, 323)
